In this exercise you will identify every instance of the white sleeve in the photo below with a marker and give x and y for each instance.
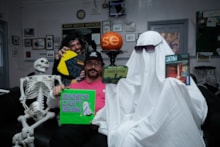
(52, 101)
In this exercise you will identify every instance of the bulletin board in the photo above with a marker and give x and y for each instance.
(208, 31)
(90, 30)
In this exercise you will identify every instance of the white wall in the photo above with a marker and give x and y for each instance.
(11, 12)
(47, 18)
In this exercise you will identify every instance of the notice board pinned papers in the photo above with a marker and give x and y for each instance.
(111, 74)
(77, 106)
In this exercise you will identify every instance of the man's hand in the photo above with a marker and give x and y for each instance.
(82, 74)
(57, 90)
(61, 52)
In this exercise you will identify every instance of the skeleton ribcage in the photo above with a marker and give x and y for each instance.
(39, 87)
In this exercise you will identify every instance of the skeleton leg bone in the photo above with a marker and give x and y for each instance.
(27, 134)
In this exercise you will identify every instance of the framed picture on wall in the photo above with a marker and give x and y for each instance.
(117, 27)
(130, 27)
(129, 37)
(50, 53)
(49, 42)
(208, 31)
(56, 46)
(203, 56)
(15, 40)
(106, 26)
(28, 54)
(38, 43)
(56, 39)
(27, 42)
(175, 32)
(29, 32)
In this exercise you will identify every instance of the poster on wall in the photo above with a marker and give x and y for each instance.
(90, 30)
(173, 39)
(208, 31)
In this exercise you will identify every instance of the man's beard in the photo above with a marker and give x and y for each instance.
(93, 75)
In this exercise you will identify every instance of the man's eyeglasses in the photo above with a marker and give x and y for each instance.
(95, 64)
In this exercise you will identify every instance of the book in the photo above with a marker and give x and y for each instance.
(112, 74)
(71, 64)
(178, 66)
(77, 106)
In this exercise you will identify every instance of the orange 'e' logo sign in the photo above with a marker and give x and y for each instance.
(111, 41)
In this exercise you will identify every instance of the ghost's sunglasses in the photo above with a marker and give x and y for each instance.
(147, 48)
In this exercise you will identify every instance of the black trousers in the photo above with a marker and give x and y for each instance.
(78, 136)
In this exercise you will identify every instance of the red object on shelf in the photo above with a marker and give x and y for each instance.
(111, 41)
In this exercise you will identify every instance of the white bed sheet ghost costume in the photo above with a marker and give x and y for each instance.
(148, 110)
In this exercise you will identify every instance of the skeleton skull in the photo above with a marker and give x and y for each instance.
(41, 65)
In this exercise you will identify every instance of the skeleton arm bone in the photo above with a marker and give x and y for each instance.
(58, 78)
(22, 80)
(53, 102)
(23, 97)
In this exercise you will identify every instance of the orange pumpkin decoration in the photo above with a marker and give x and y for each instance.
(111, 41)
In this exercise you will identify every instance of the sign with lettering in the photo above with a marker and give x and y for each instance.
(112, 74)
(90, 30)
(77, 106)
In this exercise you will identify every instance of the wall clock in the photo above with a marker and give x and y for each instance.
(81, 14)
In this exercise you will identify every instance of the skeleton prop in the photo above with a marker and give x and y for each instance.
(4, 91)
(34, 92)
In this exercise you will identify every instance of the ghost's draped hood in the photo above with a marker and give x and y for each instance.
(147, 109)
(137, 61)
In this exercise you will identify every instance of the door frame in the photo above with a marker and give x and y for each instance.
(4, 55)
